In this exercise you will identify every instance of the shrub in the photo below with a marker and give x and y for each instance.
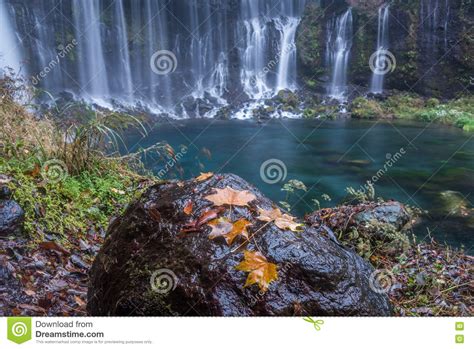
(364, 108)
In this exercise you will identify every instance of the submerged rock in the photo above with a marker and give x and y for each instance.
(149, 266)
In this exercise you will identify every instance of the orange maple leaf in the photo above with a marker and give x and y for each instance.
(281, 220)
(229, 196)
(260, 271)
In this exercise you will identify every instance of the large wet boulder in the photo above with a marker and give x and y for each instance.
(158, 260)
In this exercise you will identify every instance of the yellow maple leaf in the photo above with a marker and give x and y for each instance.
(260, 271)
(281, 220)
(229, 196)
(223, 227)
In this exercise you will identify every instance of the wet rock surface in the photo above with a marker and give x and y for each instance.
(11, 218)
(149, 266)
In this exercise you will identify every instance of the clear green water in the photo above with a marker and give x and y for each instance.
(330, 156)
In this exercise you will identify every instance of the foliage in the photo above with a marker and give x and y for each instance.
(360, 195)
(260, 271)
(232, 197)
(72, 205)
(364, 108)
(65, 178)
(459, 112)
(281, 220)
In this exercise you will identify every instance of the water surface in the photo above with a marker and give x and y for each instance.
(329, 156)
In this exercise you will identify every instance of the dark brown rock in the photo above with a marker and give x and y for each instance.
(196, 276)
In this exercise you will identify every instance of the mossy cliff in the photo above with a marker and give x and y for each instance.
(434, 53)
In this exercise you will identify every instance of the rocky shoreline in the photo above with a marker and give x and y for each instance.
(53, 278)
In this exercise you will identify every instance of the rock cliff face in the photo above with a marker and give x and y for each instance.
(151, 264)
(432, 41)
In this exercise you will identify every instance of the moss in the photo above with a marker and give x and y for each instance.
(459, 112)
(363, 108)
(309, 42)
(71, 205)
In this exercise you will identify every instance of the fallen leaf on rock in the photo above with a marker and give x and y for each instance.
(188, 209)
(260, 271)
(238, 228)
(281, 220)
(208, 216)
(229, 196)
(204, 176)
(223, 227)
(220, 227)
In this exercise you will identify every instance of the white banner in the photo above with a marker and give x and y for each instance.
(225, 333)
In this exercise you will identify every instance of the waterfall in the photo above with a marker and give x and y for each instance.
(253, 72)
(435, 16)
(10, 54)
(124, 68)
(376, 85)
(287, 65)
(91, 65)
(223, 50)
(338, 49)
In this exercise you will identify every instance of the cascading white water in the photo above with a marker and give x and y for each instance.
(338, 50)
(10, 53)
(125, 69)
(240, 50)
(91, 65)
(287, 61)
(253, 72)
(376, 85)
